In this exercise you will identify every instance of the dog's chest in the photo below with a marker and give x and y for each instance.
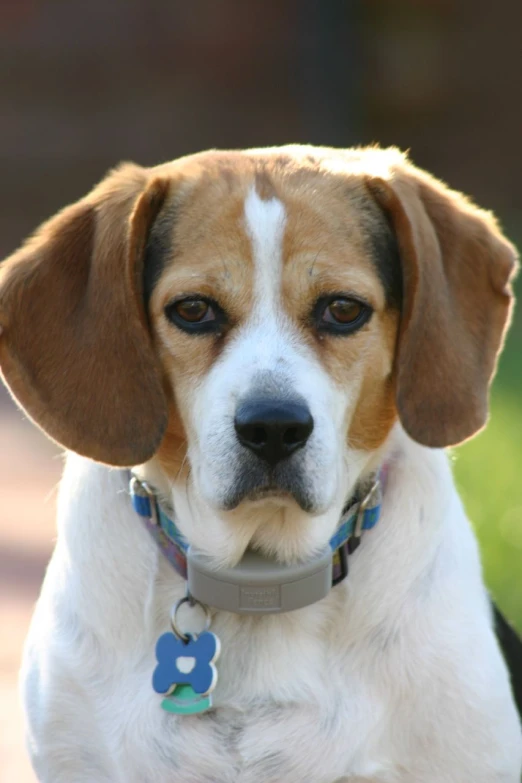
(284, 710)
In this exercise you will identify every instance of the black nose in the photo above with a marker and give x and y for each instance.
(273, 429)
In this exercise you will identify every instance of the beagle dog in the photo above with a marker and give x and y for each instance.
(255, 360)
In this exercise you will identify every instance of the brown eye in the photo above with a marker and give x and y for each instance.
(343, 311)
(196, 315)
(340, 315)
(194, 310)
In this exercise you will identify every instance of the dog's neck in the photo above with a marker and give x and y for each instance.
(419, 503)
(277, 528)
(261, 584)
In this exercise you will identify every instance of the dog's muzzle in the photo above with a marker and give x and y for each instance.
(271, 432)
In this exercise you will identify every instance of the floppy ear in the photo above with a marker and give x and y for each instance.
(75, 348)
(456, 268)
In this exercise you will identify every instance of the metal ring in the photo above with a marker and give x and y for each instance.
(187, 599)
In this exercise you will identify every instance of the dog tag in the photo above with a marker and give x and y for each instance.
(185, 672)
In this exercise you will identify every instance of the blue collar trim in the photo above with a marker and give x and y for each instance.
(147, 506)
(358, 516)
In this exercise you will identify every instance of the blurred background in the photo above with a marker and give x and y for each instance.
(85, 85)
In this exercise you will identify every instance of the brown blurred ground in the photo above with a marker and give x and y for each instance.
(29, 470)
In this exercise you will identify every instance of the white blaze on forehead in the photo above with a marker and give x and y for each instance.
(265, 224)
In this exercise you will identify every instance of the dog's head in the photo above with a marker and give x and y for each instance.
(256, 322)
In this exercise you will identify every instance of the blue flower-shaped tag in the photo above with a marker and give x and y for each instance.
(185, 673)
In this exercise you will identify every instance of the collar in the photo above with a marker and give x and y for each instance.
(280, 588)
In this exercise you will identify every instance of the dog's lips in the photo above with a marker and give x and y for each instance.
(262, 494)
(256, 483)
(268, 491)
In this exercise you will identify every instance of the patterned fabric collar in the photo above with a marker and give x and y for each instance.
(360, 514)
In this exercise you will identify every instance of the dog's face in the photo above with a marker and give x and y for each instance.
(256, 322)
(276, 332)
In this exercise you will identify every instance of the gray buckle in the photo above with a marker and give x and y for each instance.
(363, 505)
(143, 489)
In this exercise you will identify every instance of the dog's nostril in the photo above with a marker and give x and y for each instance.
(291, 436)
(259, 436)
(273, 429)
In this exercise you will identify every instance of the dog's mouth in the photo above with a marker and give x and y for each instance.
(285, 485)
(267, 492)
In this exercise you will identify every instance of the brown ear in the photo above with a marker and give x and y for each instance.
(456, 303)
(75, 348)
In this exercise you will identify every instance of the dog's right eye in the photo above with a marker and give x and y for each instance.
(194, 310)
(195, 314)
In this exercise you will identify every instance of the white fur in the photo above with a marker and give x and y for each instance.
(395, 677)
(265, 224)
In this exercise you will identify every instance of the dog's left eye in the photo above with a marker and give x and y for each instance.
(341, 315)
(343, 311)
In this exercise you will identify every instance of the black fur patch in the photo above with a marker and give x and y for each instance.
(387, 261)
(512, 648)
(158, 248)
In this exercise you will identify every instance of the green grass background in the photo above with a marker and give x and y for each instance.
(488, 470)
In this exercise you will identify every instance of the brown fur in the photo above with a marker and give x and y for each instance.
(457, 299)
(75, 348)
(79, 354)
